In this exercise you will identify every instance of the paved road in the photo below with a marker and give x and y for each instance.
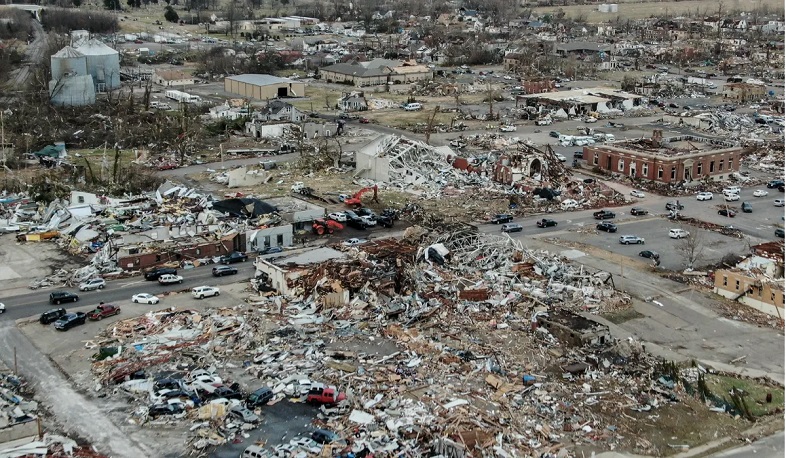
(768, 447)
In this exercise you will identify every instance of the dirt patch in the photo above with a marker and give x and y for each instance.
(621, 316)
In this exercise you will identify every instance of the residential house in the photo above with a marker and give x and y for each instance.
(778, 27)
(757, 280)
(352, 101)
(278, 110)
(173, 78)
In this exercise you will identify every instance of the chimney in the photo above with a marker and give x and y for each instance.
(657, 137)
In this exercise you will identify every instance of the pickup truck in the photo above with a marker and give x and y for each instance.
(69, 320)
(234, 257)
(168, 279)
(327, 395)
(103, 311)
(603, 214)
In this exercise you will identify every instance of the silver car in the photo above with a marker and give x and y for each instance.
(92, 284)
(243, 414)
(629, 239)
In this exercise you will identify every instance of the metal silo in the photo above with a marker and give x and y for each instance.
(103, 63)
(79, 37)
(68, 61)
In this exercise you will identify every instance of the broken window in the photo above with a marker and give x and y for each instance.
(660, 171)
(725, 281)
(158, 258)
(595, 159)
(673, 173)
(198, 251)
(632, 169)
(80, 199)
(645, 169)
(712, 166)
(737, 285)
(621, 165)
(698, 169)
(720, 165)
(280, 239)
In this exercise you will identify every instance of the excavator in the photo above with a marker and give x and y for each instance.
(355, 201)
(323, 226)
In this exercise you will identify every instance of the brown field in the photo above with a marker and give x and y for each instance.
(635, 10)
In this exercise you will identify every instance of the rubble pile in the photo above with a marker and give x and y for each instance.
(767, 157)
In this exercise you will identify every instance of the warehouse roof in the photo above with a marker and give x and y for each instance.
(260, 80)
(355, 69)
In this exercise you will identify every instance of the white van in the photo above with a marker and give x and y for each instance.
(254, 451)
(413, 106)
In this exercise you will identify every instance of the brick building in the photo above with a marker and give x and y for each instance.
(667, 160)
(743, 92)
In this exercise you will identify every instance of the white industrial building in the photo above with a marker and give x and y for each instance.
(70, 83)
(103, 64)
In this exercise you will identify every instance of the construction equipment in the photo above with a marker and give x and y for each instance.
(322, 226)
(355, 201)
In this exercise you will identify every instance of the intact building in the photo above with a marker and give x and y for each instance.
(667, 160)
(263, 87)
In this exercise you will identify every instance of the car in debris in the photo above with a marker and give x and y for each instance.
(546, 223)
(638, 211)
(779, 233)
(760, 193)
(50, 316)
(569, 204)
(631, 239)
(323, 436)
(726, 212)
(674, 205)
(234, 257)
(368, 220)
(384, 221)
(704, 196)
(637, 193)
(157, 272)
(103, 311)
(512, 227)
(243, 414)
(364, 120)
(69, 320)
(260, 397)
(604, 214)
(731, 197)
(283, 450)
(338, 216)
(324, 394)
(507, 128)
(774, 184)
(678, 233)
(168, 279)
(501, 219)
(167, 166)
(560, 157)
(778, 202)
(58, 297)
(92, 284)
(649, 254)
(201, 292)
(307, 445)
(220, 271)
(554, 134)
(456, 143)
(270, 250)
(163, 395)
(226, 393)
(747, 207)
(158, 410)
(144, 298)
(606, 226)
(353, 242)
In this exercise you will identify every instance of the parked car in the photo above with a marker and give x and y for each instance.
(546, 223)
(604, 214)
(631, 239)
(638, 211)
(338, 216)
(561, 157)
(168, 279)
(58, 297)
(512, 227)
(760, 193)
(704, 196)
(578, 155)
(201, 292)
(727, 212)
(674, 205)
(747, 207)
(103, 311)
(69, 320)
(270, 250)
(637, 193)
(243, 414)
(92, 284)
(234, 257)
(220, 271)
(554, 134)
(323, 436)
(144, 298)
(507, 128)
(364, 120)
(731, 190)
(260, 397)
(50, 316)
(774, 184)
(649, 254)
(731, 197)
(353, 242)
(155, 273)
(678, 233)
(779, 232)
(501, 219)
(606, 226)
(778, 202)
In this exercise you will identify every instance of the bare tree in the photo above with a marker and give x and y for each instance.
(691, 248)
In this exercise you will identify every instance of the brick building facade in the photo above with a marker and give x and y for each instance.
(662, 164)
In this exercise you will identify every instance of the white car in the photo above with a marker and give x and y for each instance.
(507, 128)
(368, 220)
(678, 233)
(561, 158)
(168, 279)
(2, 307)
(353, 242)
(637, 193)
(92, 284)
(507, 77)
(590, 119)
(731, 197)
(760, 193)
(307, 445)
(778, 202)
(704, 196)
(144, 298)
(201, 292)
(337, 216)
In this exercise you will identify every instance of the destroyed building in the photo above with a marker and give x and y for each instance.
(578, 102)
(667, 159)
(757, 280)
(574, 330)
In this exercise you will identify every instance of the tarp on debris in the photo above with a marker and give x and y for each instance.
(50, 151)
(247, 207)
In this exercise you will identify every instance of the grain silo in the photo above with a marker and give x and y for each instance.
(68, 61)
(103, 63)
(79, 37)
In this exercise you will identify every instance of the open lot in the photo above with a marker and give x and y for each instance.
(641, 10)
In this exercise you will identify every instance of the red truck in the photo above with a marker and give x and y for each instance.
(322, 394)
(103, 311)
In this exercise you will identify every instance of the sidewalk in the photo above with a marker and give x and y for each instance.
(685, 327)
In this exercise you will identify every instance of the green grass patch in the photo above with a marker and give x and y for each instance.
(98, 159)
(757, 393)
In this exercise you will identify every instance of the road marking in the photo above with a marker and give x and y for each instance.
(122, 285)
